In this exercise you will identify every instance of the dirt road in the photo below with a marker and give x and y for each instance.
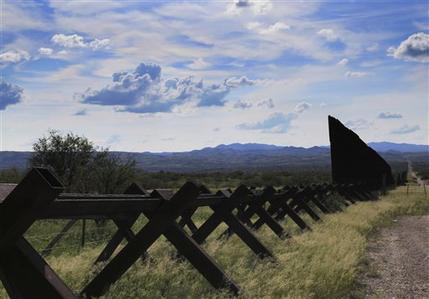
(399, 260)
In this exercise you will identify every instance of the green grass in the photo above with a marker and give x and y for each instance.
(323, 263)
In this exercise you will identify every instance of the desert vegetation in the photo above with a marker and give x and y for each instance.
(323, 263)
(420, 164)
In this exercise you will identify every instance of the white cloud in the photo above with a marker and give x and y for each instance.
(242, 105)
(144, 91)
(137, 32)
(388, 115)
(239, 81)
(46, 51)
(16, 17)
(351, 74)
(69, 41)
(414, 48)
(62, 53)
(328, 34)
(198, 64)
(199, 22)
(85, 8)
(406, 129)
(97, 44)
(275, 123)
(301, 107)
(279, 26)
(77, 41)
(358, 124)
(261, 7)
(13, 56)
(343, 62)
(265, 103)
(262, 29)
(269, 103)
(372, 48)
(253, 25)
(421, 25)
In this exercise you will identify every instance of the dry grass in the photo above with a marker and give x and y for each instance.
(323, 263)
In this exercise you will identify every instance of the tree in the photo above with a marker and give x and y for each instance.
(67, 155)
(81, 166)
(112, 173)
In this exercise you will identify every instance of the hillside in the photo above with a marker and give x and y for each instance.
(236, 156)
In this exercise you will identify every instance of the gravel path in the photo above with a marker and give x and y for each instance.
(399, 260)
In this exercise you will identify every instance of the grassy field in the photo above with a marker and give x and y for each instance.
(323, 263)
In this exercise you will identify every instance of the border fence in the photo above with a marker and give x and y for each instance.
(25, 273)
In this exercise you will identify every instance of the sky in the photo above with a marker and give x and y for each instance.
(176, 76)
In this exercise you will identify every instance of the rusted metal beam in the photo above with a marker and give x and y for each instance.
(26, 275)
(223, 213)
(48, 249)
(23, 271)
(160, 222)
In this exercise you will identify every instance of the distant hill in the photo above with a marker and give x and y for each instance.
(399, 147)
(236, 156)
(14, 159)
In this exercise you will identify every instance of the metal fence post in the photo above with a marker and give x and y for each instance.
(82, 242)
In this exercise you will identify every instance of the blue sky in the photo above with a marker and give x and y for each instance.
(170, 76)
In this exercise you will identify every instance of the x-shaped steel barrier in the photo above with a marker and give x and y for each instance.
(25, 274)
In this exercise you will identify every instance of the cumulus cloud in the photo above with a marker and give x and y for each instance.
(328, 34)
(388, 115)
(343, 62)
(414, 48)
(351, 74)
(97, 44)
(77, 41)
(69, 41)
(9, 94)
(144, 91)
(301, 107)
(13, 56)
(405, 129)
(275, 123)
(46, 51)
(358, 124)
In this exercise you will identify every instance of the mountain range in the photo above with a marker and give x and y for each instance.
(235, 156)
